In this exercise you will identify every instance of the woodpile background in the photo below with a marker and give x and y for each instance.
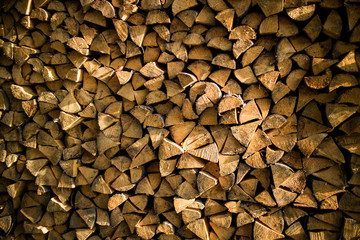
(179, 119)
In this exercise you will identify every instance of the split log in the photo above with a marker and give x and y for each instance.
(217, 119)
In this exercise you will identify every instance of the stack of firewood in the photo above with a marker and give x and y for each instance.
(179, 119)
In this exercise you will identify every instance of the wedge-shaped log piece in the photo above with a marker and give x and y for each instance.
(284, 50)
(122, 183)
(224, 60)
(144, 187)
(228, 164)
(105, 7)
(122, 29)
(146, 155)
(220, 76)
(99, 185)
(301, 13)
(321, 64)
(34, 166)
(198, 137)
(249, 112)
(330, 150)
(287, 28)
(319, 82)
(349, 142)
(174, 117)
(258, 141)
(265, 199)
(323, 190)
(180, 131)
(146, 232)
(269, 79)
(188, 17)
(54, 154)
(296, 182)
(55, 205)
(245, 132)
(83, 233)
(237, 193)
(157, 135)
(206, 16)
(274, 220)
(188, 161)
(307, 128)
(309, 144)
(251, 54)
(124, 76)
(222, 232)
(178, 49)
(181, 204)
(243, 218)
(169, 149)
(6, 223)
(337, 113)
(205, 181)
(151, 70)
(242, 32)
(333, 175)
(34, 214)
(100, 45)
(241, 46)
(104, 143)
(245, 75)
(179, 5)
(273, 121)
(79, 44)
(116, 200)
(230, 102)
(194, 39)
(342, 80)
(232, 146)
(280, 90)
(149, 219)
(283, 197)
(280, 173)
(88, 215)
(186, 79)
(199, 228)
(157, 17)
(22, 92)
(226, 18)
(348, 63)
(319, 49)
(69, 104)
(349, 202)
(209, 152)
(137, 34)
(134, 149)
(269, 25)
(201, 69)
(349, 96)
(261, 231)
(212, 96)
(271, 7)
(351, 228)
(167, 167)
(333, 25)
(313, 28)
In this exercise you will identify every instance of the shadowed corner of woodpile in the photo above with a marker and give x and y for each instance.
(179, 119)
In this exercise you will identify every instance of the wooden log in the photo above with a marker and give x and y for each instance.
(129, 119)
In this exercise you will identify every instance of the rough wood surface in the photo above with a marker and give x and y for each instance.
(179, 119)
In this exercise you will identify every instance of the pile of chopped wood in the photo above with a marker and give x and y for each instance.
(179, 119)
